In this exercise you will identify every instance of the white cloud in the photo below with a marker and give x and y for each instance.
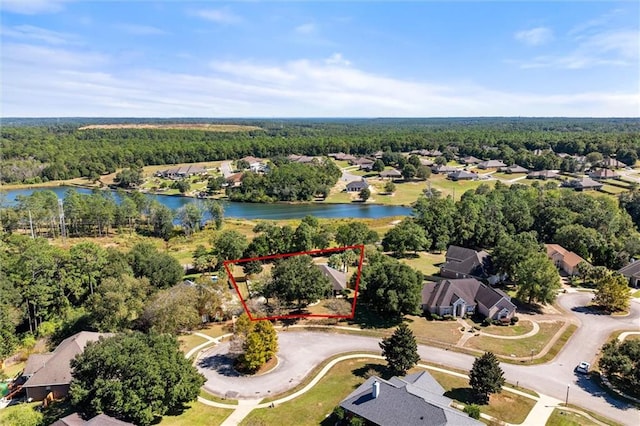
(32, 7)
(219, 16)
(535, 36)
(32, 33)
(142, 30)
(44, 81)
(306, 29)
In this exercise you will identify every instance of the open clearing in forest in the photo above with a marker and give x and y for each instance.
(175, 126)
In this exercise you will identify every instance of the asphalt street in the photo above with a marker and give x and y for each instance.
(301, 351)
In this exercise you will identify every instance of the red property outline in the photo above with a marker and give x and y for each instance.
(360, 247)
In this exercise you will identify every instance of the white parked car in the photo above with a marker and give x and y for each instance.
(583, 367)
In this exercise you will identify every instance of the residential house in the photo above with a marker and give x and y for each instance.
(235, 179)
(182, 172)
(426, 162)
(337, 279)
(583, 184)
(357, 185)
(491, 164)
(99, 420)
(341, 156)
(612, 163)
(543, 174)
(470, 160)
(462, 175)
(378, 155)
(51, 372)
(466, 296)
(632, 273)
(391, 174)
(514, 168)
(443, 169)
(604, 174)
(426, 152)
(255, 164)
(461, 262)
(413, 400)
(304, 159)
(538, 152)
(565, 260)
(362, 162)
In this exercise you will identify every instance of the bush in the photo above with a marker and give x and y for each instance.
(473, 411)
(436, 317)
(487, 322)
(514, 320)
(447, 317)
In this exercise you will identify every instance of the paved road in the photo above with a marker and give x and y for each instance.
(226, 169)
(300, 352)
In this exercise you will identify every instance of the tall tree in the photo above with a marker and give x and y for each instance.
(612, 293)
(260, 346)
(216, 211)
(190, 217)
(537, 279)
(117, 303)
(297, 279)
(407, 235)
(364, 194)
(353, 233)
(133, 377)
(486, 377)
(401, 350)
(229, 245)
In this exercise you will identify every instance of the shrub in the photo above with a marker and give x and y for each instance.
(487, 322)
(514, 320)
(436, 317)
(447, 317)
(473, 411)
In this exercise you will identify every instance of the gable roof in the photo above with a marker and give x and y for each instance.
(470, 160)
(251, 159)
(56, 368)
(470, 290)
(568, 257)
(462, 174)
(391, 173)
(545, 174)
(491, 164)
(355, 184)
(631, 270)
(465, 261)
(514, 168)
(74, 419)
(612, 162)
(412, 401)
(337, 278)
(584, 182)
(603, 174)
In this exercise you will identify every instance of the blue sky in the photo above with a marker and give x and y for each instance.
(319, 59)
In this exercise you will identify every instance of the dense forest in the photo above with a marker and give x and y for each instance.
(42, 150)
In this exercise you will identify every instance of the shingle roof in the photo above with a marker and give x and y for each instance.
(391, 173)
(405, 402)
(99, 420)
(337, 279)
(514, 168)
(491, 164)
(57, 369)
(568, 257)
(358, 184)
(445, 292)
(465, 261)
(462, 174)
(631, 270)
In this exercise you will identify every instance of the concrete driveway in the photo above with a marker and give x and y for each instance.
(301, 351)
(226, 169)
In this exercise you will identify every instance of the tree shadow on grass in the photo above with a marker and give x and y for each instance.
(528, 308)
(366, 318)
(464, 395)
(369, 370)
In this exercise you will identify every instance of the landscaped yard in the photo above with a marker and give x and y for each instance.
(426, 262)
(520, 328)
(428, 331)
(517, 347)
(197, 414)
(505, 406)
(560, 417)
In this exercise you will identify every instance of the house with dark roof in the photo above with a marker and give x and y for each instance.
(462, 262)
(462, 175)
(470, 159)
(443, 169)
(612, 163)
(514, 168)
(51, 372)
(304, 159)
(391, 174)
(99, 420)
(413, 400)
(565, 260)
(426, 162)
(341, 156)
(337, 279)
(604, 174)
(465, 297)
(357, 185)
(182, 172)
(235, 179)
(632, 273)
(491, 164)
(542, 174)
(585, 183)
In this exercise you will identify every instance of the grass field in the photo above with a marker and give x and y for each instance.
(456, 189)
(517, 347)
(405, 194)
(560, 417)
(522, 327)
(426, 262)
(197, 414)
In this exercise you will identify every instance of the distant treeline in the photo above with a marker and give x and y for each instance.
(51, 151)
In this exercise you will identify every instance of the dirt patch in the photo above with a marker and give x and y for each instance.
(176, 126)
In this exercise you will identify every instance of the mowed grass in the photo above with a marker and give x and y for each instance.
(406, 193)
(560, 417)
(456, 189)
(505, 406)
(517, 347)
(190, 341)
(441, 331)
(314, 406)
(197, 414)
(426, 262)
(520, 328)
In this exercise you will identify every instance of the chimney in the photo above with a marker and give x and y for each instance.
(375, 389)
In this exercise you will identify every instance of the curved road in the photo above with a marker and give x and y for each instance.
(301, 351)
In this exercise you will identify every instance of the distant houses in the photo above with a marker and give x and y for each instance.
(341, 156)
(583, 184)
(444, 169)
(303, 159)
(182, 172)
(604, 174)
(491, 164)
(469, 160)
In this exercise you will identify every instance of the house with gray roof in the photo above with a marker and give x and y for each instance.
(99, 420)
(465, 297)
(357, 185)
(462, 262)
(51, 372)
(632, 273)
(604, 174)
(514, 168)
(583, 184)
(413, 400)
(444, 169)
(491, 164)
(612, 163)
(337, 279)
(543, 174)
(462, 175)
(391, 174)
(470, 159)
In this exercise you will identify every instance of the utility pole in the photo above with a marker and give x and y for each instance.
(566, 401)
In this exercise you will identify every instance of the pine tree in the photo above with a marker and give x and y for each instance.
(486, 377)
(400, 350)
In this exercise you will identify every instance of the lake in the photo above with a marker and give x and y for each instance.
(250, 210)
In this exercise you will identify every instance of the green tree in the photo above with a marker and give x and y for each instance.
(162, 221)
(354, 233)
(133, 377)
(409, 171)
(511, 250)
(389, 187)
(622, 360)
(537, 279)
(378, 166)
(8, 339)
(486, 377)
(401, 350)
(229, 245)
(182, 185)
(216, 210)
(22, 415)
(129, 178)
(407, 235)
(436, 216)
(117, 303)
(391, 288)
(173, 310)
(612, 293)
(297, 279)
(364, 194)
(190, 216)
(161, 269)
(87, 262)
(260, 346)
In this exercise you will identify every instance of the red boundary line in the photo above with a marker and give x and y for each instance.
(360, 247)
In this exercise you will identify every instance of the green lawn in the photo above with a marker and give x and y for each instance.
(520, 328)
(517, 347)
(426, 262)
(449, 187)
(197, 414)
(405, 194)
(427, 331)
(505, 406)
(560, 417)
(190, 341)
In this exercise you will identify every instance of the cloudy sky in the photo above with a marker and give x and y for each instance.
(319, 59)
